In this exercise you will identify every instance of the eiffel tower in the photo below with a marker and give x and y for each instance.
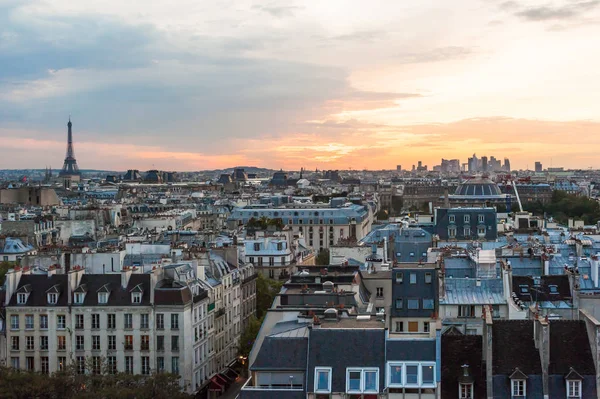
(70, 170)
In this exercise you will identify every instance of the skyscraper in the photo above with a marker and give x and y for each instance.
(538, 166)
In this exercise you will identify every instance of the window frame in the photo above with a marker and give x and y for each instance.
(578, 385)
(514, 387)
(316, 379)
(468, 387)
(399, 278)
(362, 371)
(404, 365)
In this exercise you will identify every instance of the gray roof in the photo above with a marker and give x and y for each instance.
(282, 354)
(342, 348)
(465, 291)
(411, 349)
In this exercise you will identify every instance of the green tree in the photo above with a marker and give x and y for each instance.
(4, 267)
(266, 290)
(249, 335)
(322, 258)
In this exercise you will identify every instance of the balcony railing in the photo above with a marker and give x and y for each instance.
(220, 312)
(294, 387)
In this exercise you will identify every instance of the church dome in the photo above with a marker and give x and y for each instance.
(480, 187)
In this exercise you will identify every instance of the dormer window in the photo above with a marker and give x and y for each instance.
(22, 298)
(136, 297)
(573, 389)
(103, 297)
(52, 298)
(466, 391)
(79, 297)
(518, 388)
(451, 218)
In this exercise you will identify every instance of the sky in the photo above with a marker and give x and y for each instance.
(339, 84)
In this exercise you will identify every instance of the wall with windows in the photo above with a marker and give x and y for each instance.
(466, 224)
(414, 292)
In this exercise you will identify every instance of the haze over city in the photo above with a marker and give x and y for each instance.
(332, 84)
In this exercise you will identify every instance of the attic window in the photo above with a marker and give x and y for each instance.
(136, 297)
(102, 297)
(553, 289)
(573, 389)
(524, 289)
(52, 298)
(22, 298)
(79, 296)
(519, 388)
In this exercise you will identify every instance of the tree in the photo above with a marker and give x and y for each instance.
(4, 267)
(249, 335)
(68, 384)
(322, 258)
(266, 289)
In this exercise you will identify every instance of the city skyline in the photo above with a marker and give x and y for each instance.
(290, 85)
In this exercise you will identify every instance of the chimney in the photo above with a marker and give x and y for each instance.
(541, 333)
(125, 274)
(74, 278)
(12, 282)
(487, 353)
(155, 276)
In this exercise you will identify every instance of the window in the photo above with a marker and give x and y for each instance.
(428, 303)
(175, 365)
(399, 303)
(426, 326)
(322, 379)
(466, 391)
(79, 298)
(111, 321)
(61, 342)
(481, 231)
(29, 343)
(80, 364)
(79, 342)
(14, 322)
(175, 343)
(129, 364)
(145, 365)
(52, 298)
(96, 342)
(428, 278)
(467, 218)
(174, 321)
(362, 380)
(29, 363)
(427, 375)
(399, 277)
(136, 297)
(129, 342)
(111, 363)
(96, 364)
(495, 311)
(112, 342)
(79, 322)
(379, 292)
(451, 218)
(160, 342)
(44, 321)
(15, 363)
(95, 321)
(144, 320)
(467, 231)
(412, 375)
(399, 326)
(160, 321)
(145, 342)
(44, 343)
(452, 232)
(573, 389)
(160, 364)
(481, 218)
(29, 322)
(15, 343)
(518, 388)
(61, 363)
(466, 311)
(128, 320)
(45, 364)
(102, 297)
(413, 278)
(21, 298)
(413, 304)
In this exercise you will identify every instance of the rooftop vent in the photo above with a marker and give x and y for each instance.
(331, 314)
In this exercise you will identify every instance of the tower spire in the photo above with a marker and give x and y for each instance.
(70, 167)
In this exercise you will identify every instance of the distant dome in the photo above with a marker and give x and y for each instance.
(478, 187)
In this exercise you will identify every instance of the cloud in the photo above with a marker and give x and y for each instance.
(367, 35)
(436, 55)
(569, 10)
(278, 11)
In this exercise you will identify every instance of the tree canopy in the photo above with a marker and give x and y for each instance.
(67, 384)
(322, 258)
(564, 206)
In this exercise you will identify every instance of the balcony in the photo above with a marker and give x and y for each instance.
(220, 312)
(293, 391)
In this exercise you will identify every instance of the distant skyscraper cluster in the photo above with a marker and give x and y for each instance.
(484, 164)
